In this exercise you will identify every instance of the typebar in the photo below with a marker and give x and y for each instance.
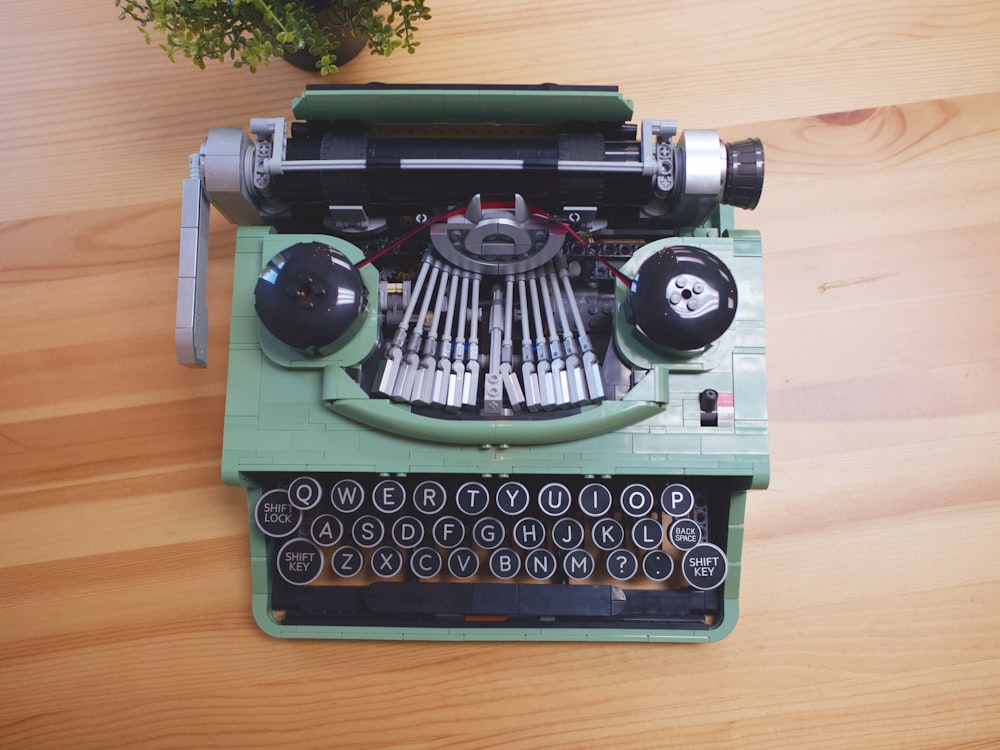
(495, 599)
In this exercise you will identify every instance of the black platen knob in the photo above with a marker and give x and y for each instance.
(683, 298)
(744, 173)
(310, 296)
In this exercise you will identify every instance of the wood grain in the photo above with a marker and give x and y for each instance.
(871, 586)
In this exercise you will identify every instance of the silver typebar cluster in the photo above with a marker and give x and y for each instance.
(442, 367)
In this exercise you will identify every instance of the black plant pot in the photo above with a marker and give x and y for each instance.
(350, 47)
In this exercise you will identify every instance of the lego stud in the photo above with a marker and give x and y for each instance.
(311, 297)
(682, 298)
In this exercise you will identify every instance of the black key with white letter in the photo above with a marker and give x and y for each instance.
(326, 530)
(299, 561)
(684, 533)
(429, 497)
(540, 564)
(472, 498)
(488, 533)
(389, 496)
(368, 531)
(425, 562)
(567, 533)
(637, 500)
(677, 500)
(305, 493)
(387, 562)
(275, 515)
(529, 533)
(622, 564)
(647, 534)
(448, 532)
(554, 499)
(347, 561)
(608, 534)
(512, 498)
(705, 566)
(347, 495)
(578, 564)
(463, 562)
(505, 563)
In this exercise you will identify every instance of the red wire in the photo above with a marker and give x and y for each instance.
(455, 212)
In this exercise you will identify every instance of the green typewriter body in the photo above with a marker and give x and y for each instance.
(496, 365)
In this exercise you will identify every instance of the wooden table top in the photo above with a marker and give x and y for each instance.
(870, 603)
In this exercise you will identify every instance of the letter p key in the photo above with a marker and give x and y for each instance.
(677, 500)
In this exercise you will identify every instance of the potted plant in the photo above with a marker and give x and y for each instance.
(252, 32)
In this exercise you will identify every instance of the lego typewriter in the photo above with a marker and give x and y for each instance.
(496, 364)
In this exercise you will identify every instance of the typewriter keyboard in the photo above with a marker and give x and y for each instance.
(346, 547)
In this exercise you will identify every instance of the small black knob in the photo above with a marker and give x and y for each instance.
(683, 298)
(310, 296)
(744, 173)
(708, 399)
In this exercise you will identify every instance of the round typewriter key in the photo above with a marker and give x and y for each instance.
(567, 533)
(429, 497)
(595, 500)
(326, 530)
(488, 533)
(463, 563)
(299, 561)
(425, 562)
(622, 564)
(504, 563)
(579, 564)
(407, 532)
(608, 534)
(388, 496)
(305, 492)
(472, 498)
(637, 500)
(347, 561)
(347, 495)
(513, 498)
(677, 500)
(448, 532)
(540, 564)
(387, 562)
(368, 531)
(704, 566)
(684, 533)
(529, 533)
(647, 534)
(657, 565)
(275, 515)
(554, 499)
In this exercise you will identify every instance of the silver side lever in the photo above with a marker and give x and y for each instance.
(191, 331)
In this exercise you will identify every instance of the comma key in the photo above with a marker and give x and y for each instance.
(705, 566)
(275, 515)
(299, 561)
